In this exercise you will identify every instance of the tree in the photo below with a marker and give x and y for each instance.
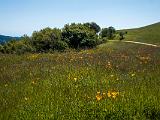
(104, 32)
(108, 33)
(121, 34)
(93, 26)
(45, 39)
(78, 35)
(111, 32)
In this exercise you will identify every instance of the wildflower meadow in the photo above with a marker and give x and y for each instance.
(114, 81)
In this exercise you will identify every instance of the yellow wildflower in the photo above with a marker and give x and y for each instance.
(109, 94)
(26, 98)
(112, 94)
(33, 82)
(98, 96)
(115, 93)
(98, 92)
(75, 79)
(103, 95)
(133, 74)
(112, 75)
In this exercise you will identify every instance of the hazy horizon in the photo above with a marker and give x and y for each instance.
(23, 17)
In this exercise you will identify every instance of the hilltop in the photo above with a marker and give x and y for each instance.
(147, 34)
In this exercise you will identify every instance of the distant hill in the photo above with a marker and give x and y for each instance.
(147, 34)
(4, 39)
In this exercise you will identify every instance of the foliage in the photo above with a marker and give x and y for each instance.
(79, 35)
(104, 32)
(93, 26)
(45, 39)
(19, 47)
(48, 39)
(1, 48)
(108, 32)
(111, 32)
(60, 45)
(121, 34)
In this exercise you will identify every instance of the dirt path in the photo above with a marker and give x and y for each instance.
(139, 43)
(142, 43)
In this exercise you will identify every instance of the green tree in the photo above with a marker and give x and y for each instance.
(93, 26)
(104, 32)
(108, 33)
(45, 39)
(78, 35)
(111, 32)
(122, 34)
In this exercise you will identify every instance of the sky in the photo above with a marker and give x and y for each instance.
(19, 17)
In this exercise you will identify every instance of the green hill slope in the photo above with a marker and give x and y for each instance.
(147, 34)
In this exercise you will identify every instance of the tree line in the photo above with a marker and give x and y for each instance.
(74, 36)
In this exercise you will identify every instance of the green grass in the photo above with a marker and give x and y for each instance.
(115, 81)
(147, 34)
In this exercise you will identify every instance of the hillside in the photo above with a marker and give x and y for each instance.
(4, 39)
(147, 34)
(115, 81)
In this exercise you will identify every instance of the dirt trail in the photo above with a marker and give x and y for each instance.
(142, 43)
(139, 43)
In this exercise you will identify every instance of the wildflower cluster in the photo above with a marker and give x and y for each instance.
(109, 94)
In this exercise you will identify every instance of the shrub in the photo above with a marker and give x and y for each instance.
(45, 39)
(78, 35)
(1, 48)
(60, 45)
(108, 33)
(90, 43)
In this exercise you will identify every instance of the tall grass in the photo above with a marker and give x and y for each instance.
(115, 81)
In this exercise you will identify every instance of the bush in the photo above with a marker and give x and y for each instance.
(79, 35)
(45, 39)
(122, 34)
(72, 36)
(90, 43)
(93, 26)
(108, 33)
(60, 45)
(102, 40)
(1, 49)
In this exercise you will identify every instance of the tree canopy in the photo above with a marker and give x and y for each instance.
(108, 32)
(74, 35)
(79, 35)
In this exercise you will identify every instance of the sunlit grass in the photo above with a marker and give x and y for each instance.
(114, 81)
(148, 34)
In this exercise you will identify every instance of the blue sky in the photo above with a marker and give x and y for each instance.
(18, 17)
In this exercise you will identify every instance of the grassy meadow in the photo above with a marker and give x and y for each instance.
(147, 34)
(114, 81)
